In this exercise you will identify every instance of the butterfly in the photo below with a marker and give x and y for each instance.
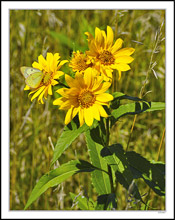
(33, 77)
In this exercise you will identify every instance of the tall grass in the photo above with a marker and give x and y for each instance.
(34, 128)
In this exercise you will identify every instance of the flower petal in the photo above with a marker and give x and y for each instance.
(125, 52)
(101, 103)
(71, 81)
(89, 35)
(93, 48)
(38, 92)
(79, 80)
(40, 98)
(88, 77)
(110, 37)
(104, 97)
(107, 72)
(104, 37)
(50, 90)
(37, 66)
(117, 45)
(102, 88)
(81, 116)
(56, 58)
(66, 105)
(95, 112)
(75, 112)
(98, 82)
(68, 117)
(42, 61)
(49, 59)
(62, 92)
(73, 91)
(102, 111)
(58, 74)
(26, 87)
(124, 59)
(122, 67)
(54, 82)
(62, 63)
(99, 38)
(88, 116)
(58, 101)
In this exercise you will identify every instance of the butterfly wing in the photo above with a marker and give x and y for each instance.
(27, 71)
(34, 79)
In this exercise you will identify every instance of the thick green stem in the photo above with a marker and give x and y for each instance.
(111, 179)
(107, 144)
(107, 132)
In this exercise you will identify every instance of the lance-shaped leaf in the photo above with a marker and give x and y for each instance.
(100, 179)
(120, 96)
(70, 133)
(156, 106)
(115, 103)
(115, 157)
(136, 108)
(106, 202)
(57, 176)
(152, 173)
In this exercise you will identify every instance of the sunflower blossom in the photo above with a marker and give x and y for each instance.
(85, 97)
(50, 67)
(79, 62)
(106, 55)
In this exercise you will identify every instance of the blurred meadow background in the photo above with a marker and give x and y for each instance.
(35, 128)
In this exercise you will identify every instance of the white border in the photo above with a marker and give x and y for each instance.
(168, 5)
(145, 5)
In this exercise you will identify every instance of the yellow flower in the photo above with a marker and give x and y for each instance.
(50, 67)
(79, 62)
(85, 97)
(107, 56)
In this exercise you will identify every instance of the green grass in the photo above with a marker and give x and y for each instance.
(31, 33)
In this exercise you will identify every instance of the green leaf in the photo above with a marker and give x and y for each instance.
(57, 176)
(139, 106)
(106, 202)
(117, 95)
(115, 103)
(70, 133)
(156, 106)
(129, 109)
(152, 173)
(100, 179)
(135, 108)
(115, 157)
(120, 96)
(83, 202)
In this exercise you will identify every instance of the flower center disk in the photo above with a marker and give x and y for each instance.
(79, 62)
(106, 58)
(47, 77)
(86, 99)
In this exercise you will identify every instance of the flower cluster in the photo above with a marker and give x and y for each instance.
(86, 93)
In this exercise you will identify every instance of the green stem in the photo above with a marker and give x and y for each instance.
(111, 180)
(107, 132)
(107, 144)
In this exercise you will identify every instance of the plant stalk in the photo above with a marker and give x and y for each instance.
(107, 144)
